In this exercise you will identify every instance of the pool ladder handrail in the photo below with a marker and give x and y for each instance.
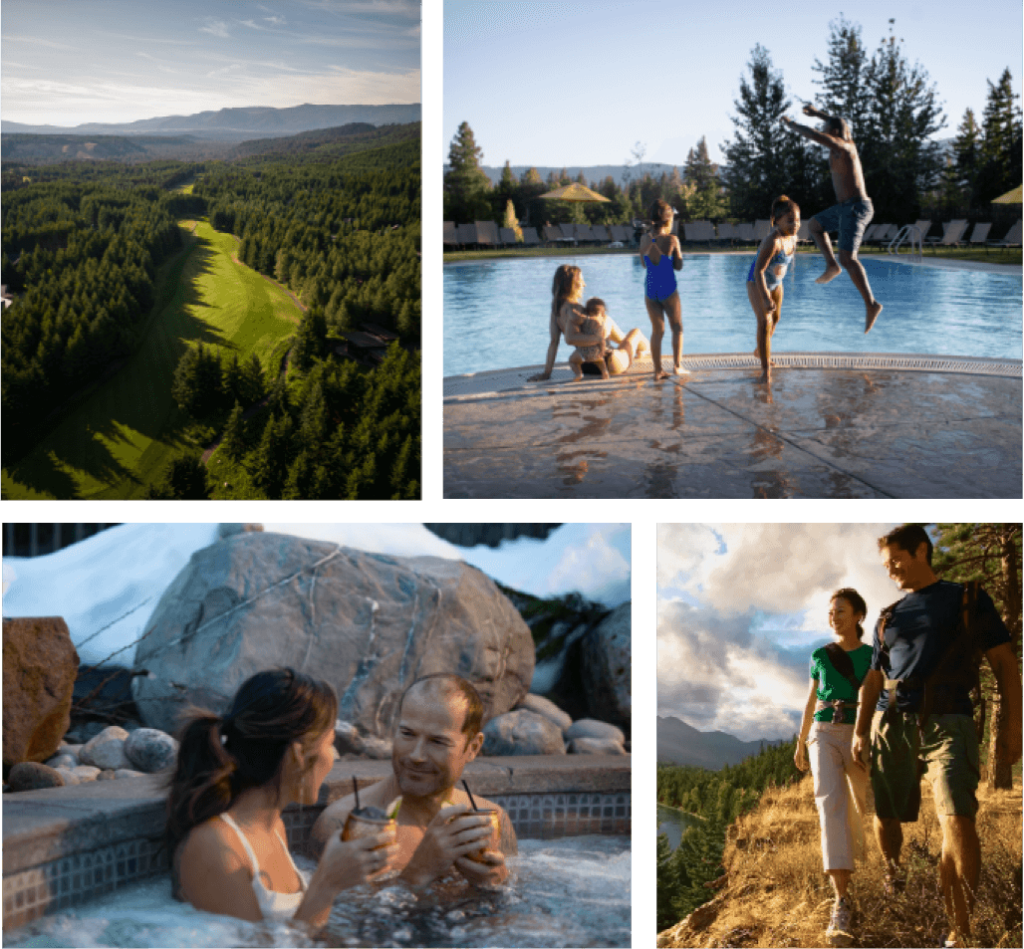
(911, 233)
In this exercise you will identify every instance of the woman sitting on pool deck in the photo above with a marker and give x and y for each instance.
(235, 774)
(567, 314)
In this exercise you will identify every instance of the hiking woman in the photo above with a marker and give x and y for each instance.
(235, 774)
(826, 736)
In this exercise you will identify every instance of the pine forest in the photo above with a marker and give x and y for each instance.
(241, 328)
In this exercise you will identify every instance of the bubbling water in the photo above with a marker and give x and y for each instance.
(569, 892)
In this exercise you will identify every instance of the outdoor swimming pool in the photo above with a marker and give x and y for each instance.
(569, 892)
(496, 311)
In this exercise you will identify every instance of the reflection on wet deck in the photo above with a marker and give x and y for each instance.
(831, 426)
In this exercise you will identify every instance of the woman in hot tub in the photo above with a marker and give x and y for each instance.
(235, 775)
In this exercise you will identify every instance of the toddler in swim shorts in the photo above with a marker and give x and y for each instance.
(596, 322)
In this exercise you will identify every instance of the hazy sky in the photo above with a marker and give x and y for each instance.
(579, 83)
(741, 607)
(66, 62)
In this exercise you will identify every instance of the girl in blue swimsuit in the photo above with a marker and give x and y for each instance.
(662, 257)
(764, 280)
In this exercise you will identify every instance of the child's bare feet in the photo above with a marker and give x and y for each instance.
(872, 314)
(659, 375)
(831, 272)
(680, 371)
(766, 377)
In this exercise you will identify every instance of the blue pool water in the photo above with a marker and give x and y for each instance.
(496, 311)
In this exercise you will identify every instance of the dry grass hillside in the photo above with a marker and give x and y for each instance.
(774, 892)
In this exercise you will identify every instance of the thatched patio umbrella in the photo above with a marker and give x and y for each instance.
(574, 191)
(1011, 197)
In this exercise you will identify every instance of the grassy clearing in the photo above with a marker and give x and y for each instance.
(776, 893)
(120, 437)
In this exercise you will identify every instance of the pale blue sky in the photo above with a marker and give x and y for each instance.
(66, 62)
(579, 83)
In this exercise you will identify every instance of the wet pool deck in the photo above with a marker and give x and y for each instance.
(832, 425)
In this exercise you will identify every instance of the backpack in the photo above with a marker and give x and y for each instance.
(948, 671)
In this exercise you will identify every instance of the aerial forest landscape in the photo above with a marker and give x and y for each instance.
(223, 304)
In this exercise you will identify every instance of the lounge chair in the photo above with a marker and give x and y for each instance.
(761, 229)
(980, 233)
(451, 235)
(507, 235)
(728, 232)
(600, 232)
(466, 234)
(803, 235)
(1011, 238)
(583, 232)
(552, 233)
(622, 233)
(487, 233)
(952, 232)
(695, 231)
(745, 232)
(530, 238)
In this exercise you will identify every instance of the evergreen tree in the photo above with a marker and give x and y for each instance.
(466, 184)
(184, 479)
(843, 76)
(967, 149)
(762, 155)
(233, 441)
(899, 159)
(1001, 141)
(704, 201)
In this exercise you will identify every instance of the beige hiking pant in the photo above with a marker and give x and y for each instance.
(840, 787)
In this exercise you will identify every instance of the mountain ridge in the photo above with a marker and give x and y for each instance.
(682, 744)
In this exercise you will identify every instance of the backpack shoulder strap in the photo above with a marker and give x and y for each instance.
(843, 664)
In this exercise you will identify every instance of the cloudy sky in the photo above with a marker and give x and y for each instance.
(741, 607)
(579, 82)
(66, 62)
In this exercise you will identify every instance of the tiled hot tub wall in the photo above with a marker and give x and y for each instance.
(68, 845)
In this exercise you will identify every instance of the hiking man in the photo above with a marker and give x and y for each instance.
(926, 652)
(436, 735)
(853, 212)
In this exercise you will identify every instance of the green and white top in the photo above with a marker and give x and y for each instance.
(832, 685)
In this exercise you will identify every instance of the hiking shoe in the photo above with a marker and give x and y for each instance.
(893, 883)
(838, 932)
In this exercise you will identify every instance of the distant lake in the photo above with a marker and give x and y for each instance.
(673, 823)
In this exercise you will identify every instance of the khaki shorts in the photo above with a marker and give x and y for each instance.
(948, 757)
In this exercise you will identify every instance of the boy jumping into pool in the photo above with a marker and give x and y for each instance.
(853, 212)
(596, 322)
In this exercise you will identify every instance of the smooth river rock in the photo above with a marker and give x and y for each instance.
(522, 732)
(151, 750)
(591, 728)
(30, 776)
(106, 750)
(596, 746)
(547, 708)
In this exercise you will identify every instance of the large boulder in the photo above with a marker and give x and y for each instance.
(150, 750)
(607, 667)
(106, 750)
(40, 664)
(369, 624)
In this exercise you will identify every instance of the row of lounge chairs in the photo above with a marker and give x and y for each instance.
(488, 234)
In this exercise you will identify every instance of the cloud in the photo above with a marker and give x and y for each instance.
(215, 28)
(740, 608)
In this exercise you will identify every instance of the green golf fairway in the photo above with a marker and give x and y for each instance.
(118, 439)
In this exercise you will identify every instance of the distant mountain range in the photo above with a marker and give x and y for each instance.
(679, 743)
(326, 143)
(593, 173)
(237, 125)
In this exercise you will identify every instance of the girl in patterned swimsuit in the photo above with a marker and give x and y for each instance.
(662, 257)
(764, 280)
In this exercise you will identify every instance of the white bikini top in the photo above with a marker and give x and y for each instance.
(273, 905)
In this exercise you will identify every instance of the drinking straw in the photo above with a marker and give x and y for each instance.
(470, 793)
(355, 789)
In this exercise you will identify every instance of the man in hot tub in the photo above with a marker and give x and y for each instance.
(437, 734)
